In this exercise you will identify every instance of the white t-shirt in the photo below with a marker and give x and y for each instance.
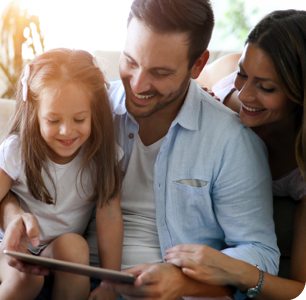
(141, 243)
(72, 210)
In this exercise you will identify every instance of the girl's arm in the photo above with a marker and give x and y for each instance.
(110, 234)
(211, 266)
(5, 183)
(110, 240)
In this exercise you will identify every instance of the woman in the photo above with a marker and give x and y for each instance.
(268, 92)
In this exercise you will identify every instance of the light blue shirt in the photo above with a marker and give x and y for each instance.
(212, 181)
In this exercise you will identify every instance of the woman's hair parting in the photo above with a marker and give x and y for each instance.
(282, 35)
(57, 68)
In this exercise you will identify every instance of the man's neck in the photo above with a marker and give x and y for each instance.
(154, 127)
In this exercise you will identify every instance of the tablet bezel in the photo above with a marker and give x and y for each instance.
(60, 265)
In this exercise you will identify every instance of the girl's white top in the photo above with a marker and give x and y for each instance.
(72, 209)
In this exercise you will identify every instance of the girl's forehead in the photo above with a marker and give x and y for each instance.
(70, 96)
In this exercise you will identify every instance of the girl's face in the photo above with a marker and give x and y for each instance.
(65, 120)
(262, 97)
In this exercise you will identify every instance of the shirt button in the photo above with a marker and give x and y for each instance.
(122, 173)
(131, 135)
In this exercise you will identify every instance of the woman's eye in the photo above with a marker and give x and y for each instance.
(267, 90)
(79, 120)
(241, 75)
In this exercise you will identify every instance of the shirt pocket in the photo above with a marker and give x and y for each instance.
(193, 209)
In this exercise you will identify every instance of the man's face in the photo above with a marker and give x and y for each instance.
(154, 70)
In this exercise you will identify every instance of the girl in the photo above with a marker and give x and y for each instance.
(269, 93)
(60, 160)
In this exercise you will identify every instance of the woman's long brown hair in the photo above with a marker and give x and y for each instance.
(282, 35)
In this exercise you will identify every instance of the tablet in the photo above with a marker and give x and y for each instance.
(60, 265)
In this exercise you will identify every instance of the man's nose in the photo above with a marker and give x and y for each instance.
(140, 82)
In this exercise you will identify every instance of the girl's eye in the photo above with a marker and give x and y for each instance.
(79, 120)
(52, 121)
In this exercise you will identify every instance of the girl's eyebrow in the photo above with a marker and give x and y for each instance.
(78, 113)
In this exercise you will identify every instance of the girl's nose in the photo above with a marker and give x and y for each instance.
(66, 129)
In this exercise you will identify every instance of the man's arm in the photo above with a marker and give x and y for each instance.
(165, 282)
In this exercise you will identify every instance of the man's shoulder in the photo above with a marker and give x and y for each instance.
(116, 89)
(116, 94)
(212, 109)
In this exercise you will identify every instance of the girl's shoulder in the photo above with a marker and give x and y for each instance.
(11, 141)
(10, 156)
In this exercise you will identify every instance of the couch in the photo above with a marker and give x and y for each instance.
(284, 207)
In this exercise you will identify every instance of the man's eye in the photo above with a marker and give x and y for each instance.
(132, 63)
(161, 75)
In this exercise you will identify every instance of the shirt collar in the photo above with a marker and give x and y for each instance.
(188, 116)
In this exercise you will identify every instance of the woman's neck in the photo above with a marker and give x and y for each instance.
(279, 138)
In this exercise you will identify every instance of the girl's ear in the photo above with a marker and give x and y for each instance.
(199, 65)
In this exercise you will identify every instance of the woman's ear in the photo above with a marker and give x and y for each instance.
(199, 64)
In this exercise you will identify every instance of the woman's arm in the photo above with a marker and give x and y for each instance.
(213, 267)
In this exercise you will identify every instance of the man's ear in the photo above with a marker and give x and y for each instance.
(199, 64)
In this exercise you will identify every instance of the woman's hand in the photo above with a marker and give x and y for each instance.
(204, 264)
(210, 92)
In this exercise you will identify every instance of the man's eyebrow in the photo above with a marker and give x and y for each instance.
(155, 68)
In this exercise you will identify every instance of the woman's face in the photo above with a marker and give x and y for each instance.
(263, 100)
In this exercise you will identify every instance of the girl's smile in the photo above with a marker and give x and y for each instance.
(65, 120)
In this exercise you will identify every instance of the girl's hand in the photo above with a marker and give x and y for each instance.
(101, 294)
(21, 229)
(204, 264)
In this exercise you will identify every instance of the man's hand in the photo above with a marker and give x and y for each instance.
(154, 281)
(166, 282)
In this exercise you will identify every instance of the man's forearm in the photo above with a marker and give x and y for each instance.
(9, 209)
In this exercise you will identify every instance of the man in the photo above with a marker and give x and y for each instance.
(193, 173)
